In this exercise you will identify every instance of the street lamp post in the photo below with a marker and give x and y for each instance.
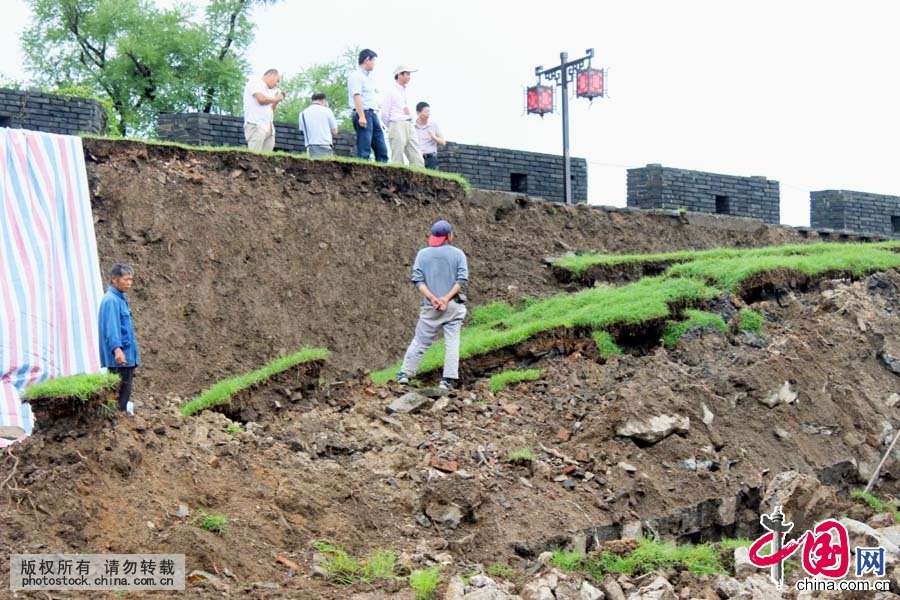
(589, 84)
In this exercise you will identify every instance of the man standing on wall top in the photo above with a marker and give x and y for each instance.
(319, 127)
(361, 93)
(261, 98)
(440, 273)
(398, 119)
(118, 345)
(430, 136)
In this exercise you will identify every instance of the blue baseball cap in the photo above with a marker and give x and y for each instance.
(439, 232)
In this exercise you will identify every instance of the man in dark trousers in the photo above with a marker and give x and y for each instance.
(118, 346)
(440, 273)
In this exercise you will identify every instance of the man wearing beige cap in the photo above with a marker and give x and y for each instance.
(398, 118)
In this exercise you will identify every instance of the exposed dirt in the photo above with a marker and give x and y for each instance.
(338, 467)
(240, 258)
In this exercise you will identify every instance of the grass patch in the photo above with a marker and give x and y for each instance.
(455, 177)
(234, 428)
(224, 390)
(490, 313)
(501, 380)
(750, 320)
(695, 318)
(521, 455)
(653, 555)
(733, 543)
(506, 572)
(344, 569)
(217, 524)
(83, 387)
(875, 503)
(425, 582)
(566, 560)
(606, 344)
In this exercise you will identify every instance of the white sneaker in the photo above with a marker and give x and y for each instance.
(129, 408)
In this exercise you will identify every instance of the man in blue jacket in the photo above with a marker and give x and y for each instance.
(118, 346)
(440, 273)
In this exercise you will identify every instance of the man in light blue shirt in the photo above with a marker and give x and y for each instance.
(319, 127)
(364, 102)
(118, 346)
(440, 273)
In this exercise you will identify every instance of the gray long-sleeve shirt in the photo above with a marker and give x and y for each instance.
(440, 268)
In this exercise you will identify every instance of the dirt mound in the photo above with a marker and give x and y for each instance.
(439, 481)
(241, 258)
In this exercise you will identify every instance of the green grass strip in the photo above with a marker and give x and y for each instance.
(82, 387)
(593, 308)
(695, 318)
(455, 177)
(501, 380)
(223, 391)
(580, 263)
(606, 344)
(490, 313)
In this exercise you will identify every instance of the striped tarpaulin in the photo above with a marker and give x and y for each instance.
(50, 283)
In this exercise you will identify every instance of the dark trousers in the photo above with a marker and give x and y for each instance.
(431, 161)
(370, 137)
(127, 375)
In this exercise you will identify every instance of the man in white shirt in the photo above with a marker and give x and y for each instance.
(430, 136)
(397, 116)
(319, 127)
(261, 98)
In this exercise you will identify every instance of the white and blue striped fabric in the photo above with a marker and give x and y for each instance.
(50, 282)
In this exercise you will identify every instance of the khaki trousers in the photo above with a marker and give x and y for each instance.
(259, 138)
(404, 142)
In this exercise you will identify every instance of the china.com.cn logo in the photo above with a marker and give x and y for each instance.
(825, 550)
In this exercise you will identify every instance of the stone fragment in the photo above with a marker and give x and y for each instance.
(589, 592)
(407, 403)
(612, 589)
(658, 589)
(442, 464)
(654, 429)
(563, 435)
(446, 515)
(784, 395)
(456, 589)
(632, 530)
(627, 467)
(742, 564)
(708, 415)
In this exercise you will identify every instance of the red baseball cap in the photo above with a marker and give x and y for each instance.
(439, 232)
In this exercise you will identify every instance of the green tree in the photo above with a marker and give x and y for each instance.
(329, 78)
(143, 59)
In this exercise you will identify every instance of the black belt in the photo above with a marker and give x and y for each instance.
(431, 154)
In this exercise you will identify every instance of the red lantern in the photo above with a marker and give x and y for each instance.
(589, 83)
(539, 100)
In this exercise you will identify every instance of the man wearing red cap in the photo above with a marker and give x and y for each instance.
(440, 273)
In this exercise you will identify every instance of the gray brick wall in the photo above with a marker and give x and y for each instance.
(656, 186)
(855, 211)
(486, 168)
(47, 112)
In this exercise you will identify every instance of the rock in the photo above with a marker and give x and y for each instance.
(753, 587)
(632, 530)
(862, 535)
(447, 515)
(798, 495)
(658, 589)
(612, 589)
(534, 591)
(563, 435)
(456, 589)
(892, 400)
(182, 511)
(781, 433)
(785, 395)
(627, 467)
(442, 464)
(891, 534)
(407, 403)
(440, 405)
(654, 429)
(567, 590)
(203, 577)
(263, 585)
(742, 564)
(481, 581)
(488, 593)
(589, 592)
(151, 525)
(708, 415)
(881, 521)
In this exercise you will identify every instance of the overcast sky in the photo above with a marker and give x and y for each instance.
(802, 92)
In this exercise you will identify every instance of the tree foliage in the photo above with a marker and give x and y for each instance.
(144, 59)
(329, 78)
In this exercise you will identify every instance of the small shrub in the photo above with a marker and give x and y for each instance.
(501, 380)
(379, 565)
(750, 320)
(425, 582)
(606, 344)
(522, 455)
(213, 523)
(339, 566)
(233, 428)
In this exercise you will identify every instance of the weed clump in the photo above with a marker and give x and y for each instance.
(695, 318)
(522, 455)
(750, 320)
(425, 582)
(217, 524)
(501, 380)
(606, 344)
